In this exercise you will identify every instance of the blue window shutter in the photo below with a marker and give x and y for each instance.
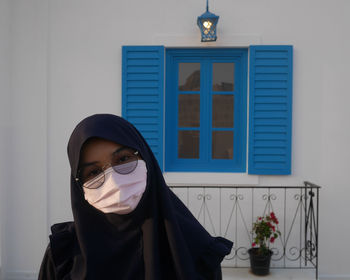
(142, 93)
(270, 110)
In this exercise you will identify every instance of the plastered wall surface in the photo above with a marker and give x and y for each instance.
(62, 62)
(4, 105)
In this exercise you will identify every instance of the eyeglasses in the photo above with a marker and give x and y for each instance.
(123, 162)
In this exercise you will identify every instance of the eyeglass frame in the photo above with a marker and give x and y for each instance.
(104, 169)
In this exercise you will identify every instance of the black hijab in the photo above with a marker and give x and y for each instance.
(160, 239)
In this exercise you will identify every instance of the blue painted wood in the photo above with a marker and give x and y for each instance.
(270, 110)
(205, 163)
(142, 93)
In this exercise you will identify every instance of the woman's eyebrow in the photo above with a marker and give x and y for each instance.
(119, 150)
(85, 164)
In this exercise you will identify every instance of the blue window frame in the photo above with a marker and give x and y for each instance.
(145, 103)
(212, 145)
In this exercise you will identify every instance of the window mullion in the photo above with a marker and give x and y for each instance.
(206, 112)
(210, 107)
(193, 153)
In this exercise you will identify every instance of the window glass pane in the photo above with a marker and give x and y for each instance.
(223, 76)
(223, 105)
(188, 144)
(222, 145)
(189, 105)
(189, 76)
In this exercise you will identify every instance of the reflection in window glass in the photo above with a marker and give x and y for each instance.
(189, 105)
(188, 144)
(223, 76)
(222, 145)
(189, 76)
(223, 105)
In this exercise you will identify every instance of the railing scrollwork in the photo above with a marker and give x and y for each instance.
(231, 211)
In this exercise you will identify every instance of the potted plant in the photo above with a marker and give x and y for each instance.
(265, 232)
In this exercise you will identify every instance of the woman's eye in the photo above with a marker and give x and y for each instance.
(90, 174)
(124, 158)
(95, 172)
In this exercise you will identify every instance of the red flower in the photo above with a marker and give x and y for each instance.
(265, 230)
(274, 218)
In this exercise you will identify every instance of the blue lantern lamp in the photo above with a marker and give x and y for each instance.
(207, 25)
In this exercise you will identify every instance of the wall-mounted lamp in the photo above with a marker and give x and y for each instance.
(207, 24)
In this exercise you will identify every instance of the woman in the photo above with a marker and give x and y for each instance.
(127, 223)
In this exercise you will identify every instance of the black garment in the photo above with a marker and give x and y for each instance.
(160, 239)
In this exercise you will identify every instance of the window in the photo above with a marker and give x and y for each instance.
(205, 110)
(202, 85)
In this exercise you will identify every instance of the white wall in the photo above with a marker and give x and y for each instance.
(4, 106)
(65, 64)
(25, 229)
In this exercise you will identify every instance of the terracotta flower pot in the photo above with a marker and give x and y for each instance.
(260, 264)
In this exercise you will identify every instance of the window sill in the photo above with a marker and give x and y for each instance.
(209, 179)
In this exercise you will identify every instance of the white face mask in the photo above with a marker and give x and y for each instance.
(120, 193)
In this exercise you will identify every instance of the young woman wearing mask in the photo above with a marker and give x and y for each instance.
(127, 223)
